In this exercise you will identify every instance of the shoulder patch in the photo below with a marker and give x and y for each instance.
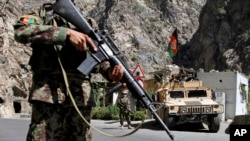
(30, 19)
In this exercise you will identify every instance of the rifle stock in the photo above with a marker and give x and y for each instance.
(107, 51)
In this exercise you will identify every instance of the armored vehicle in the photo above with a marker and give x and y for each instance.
(188, 101)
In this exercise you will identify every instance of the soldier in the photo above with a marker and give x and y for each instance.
(53, 40)
(124, 105)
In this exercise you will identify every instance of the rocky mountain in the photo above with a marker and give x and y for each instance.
(211, 35)
(222, 40)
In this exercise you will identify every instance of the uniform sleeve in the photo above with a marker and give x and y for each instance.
(29, 29)
(40, 34)
(103, 69)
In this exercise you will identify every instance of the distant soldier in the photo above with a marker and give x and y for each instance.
(124, 105)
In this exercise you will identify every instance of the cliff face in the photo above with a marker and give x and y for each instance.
(141, 28)
(212, 35)
(222, 39)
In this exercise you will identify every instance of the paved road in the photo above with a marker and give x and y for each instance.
(16, 129)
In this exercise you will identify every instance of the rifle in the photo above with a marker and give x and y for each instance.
(107, 51)
(124, 107)
(114, 88)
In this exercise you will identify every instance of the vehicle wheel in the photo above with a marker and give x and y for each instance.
(170, 121)
(214, 123)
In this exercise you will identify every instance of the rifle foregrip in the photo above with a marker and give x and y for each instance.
(115, 88)
(87, 65)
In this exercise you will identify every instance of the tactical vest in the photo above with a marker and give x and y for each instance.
(124, 101)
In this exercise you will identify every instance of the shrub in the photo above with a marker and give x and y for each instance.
(108, 113)
(99, 113)
(112, 113)
(140, 115)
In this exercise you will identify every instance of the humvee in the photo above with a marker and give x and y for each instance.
(188, 101)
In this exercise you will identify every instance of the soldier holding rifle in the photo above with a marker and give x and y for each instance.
(59, 47)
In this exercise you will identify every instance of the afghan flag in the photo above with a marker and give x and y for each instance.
(172, 46)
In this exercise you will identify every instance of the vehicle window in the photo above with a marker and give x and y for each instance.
(176, 94)
(197, 93)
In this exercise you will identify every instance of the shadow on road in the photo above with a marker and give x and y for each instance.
(153, 125)
(190, 127)
(111, 122)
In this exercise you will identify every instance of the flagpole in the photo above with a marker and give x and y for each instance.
(173, 45)
(177, 44)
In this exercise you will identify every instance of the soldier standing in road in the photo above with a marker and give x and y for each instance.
(54, 40)
(124, 105)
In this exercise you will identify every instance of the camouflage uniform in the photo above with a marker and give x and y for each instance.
(53, 115)
(124, 105)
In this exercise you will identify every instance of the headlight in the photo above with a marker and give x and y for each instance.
(182, 110)
(216, 106)
(207, 109)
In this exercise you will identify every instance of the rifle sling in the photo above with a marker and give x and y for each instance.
(77, 109)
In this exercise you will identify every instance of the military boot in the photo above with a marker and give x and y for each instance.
(130, 127)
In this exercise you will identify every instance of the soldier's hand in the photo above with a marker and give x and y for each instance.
(115, 73)
(80, 41)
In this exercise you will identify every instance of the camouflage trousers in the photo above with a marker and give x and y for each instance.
(124, 116)
(57, 122)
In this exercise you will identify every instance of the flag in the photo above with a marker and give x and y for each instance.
(172, 46)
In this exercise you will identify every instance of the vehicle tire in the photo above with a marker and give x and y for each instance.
(214, 123)
(170, 121)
